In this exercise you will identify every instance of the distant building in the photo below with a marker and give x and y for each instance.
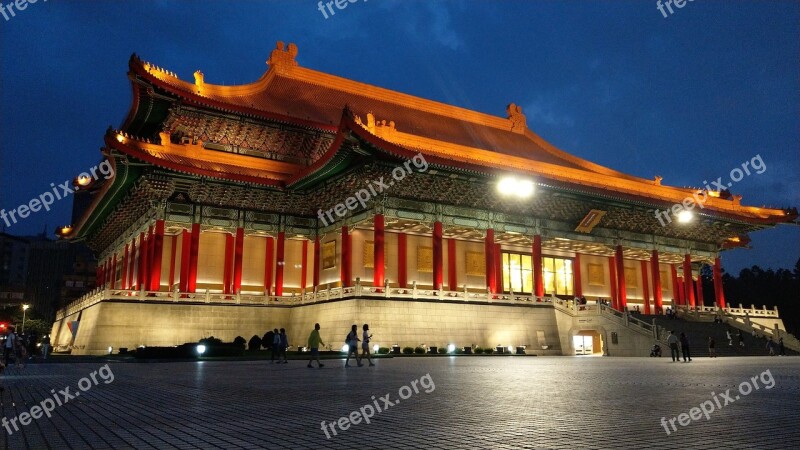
(13, 269)
(44, 273)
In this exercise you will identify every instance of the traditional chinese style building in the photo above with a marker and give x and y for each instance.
(306, 197)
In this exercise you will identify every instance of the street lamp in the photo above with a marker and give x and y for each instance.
(24, 311)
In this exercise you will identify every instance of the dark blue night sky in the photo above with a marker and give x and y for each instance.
(688, 97)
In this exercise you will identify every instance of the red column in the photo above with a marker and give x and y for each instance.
(227, 275)
(148, 251)
(142, 256)
(538, 281)
(345, 272)
(621, 289)
(645, 288)
(452, 276)
(612, 274)
(438, 256)
(700, 290)
(238, 256)
(379, 240)
(657, 298)
(719, 293)
(186, 243)
(113, 271)
(687, 280)
(172, 250)
(124, 284)
(268, 264)
(402, 263)
(491, 273)
(498, 267)
(99, 274)
(677, 293)
(577, 288)
(194, 253)
(281, 262)
(132, 264)
(315, 276)
(156, 255)
(303, 265)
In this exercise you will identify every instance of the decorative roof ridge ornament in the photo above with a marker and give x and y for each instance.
(518, 120)
(282, 58)
(657, 180)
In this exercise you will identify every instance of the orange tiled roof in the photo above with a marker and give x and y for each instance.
(294, 94)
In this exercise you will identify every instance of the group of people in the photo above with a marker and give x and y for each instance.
(352, 340)
(21, 347)
(673, 342)
(280, 342)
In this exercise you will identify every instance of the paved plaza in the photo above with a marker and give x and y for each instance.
(451, 402)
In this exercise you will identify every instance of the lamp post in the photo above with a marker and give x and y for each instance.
(24, 311)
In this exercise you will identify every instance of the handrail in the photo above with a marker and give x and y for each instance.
(312, 296)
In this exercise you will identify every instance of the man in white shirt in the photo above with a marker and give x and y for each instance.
(10, 344)
(672, 340)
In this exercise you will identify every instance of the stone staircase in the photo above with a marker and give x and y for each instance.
(698, 333)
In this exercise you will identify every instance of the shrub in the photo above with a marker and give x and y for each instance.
(488, 351)
(254, 343)
(442, 350)
(383, 350)
(419, 351)
(459, 351)
(408, 350)
(240, 341)
(478, 351)
(211, 340)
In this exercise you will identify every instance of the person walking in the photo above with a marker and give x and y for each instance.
(314, 341)
(781, 348)
(276, 344)
(730, 338)
(352, 346)
(712, 347)
(771, 347)
(365, 338)
(672, 340)
(10, 345)
(284, 344)
(45, 346)
(685, 348)
(741, 339)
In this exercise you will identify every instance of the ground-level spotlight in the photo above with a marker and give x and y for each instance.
(510, 349)
(110, 350)
(520, 349)
(375, 348)
(200, 349)
(345, 348)
(451, 348)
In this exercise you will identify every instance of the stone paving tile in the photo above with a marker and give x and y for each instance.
(478, 402)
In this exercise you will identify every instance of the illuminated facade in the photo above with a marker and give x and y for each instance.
(304, 192)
